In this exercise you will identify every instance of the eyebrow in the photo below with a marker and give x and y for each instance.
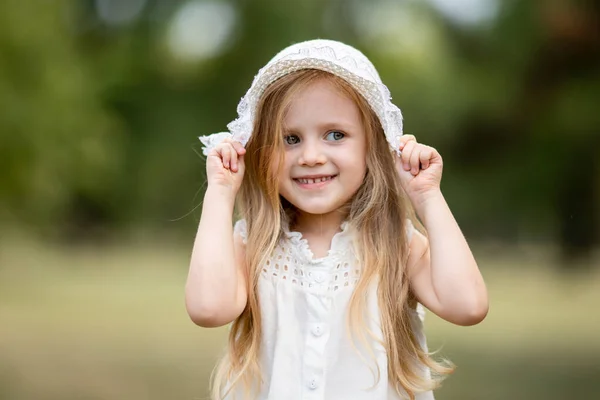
(326, 126)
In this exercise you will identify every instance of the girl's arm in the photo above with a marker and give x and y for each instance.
(443, 272)
(215, 291)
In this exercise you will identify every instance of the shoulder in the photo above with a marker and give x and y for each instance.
(409, 227)
(240, 230)
(418, 246)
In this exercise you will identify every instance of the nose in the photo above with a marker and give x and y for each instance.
(312, 153)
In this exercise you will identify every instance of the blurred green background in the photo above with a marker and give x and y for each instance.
(101, 103)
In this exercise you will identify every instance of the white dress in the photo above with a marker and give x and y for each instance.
(306, 352)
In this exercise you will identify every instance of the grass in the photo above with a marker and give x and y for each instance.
(110, 323)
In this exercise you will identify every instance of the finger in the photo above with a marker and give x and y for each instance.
(238, 147)
(406, 153)
(415, 159)
(241, 166)
(240, 163)
(405, 139)
(425, 157)
(233, 156)
(224, 151)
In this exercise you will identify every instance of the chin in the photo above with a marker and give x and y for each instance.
(316, 209)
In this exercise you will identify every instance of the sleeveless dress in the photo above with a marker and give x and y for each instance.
(306, 352)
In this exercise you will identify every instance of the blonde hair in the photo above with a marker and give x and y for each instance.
(378, 212)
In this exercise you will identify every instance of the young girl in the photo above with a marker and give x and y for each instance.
(324, 275)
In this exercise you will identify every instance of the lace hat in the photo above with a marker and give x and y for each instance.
(334, 57)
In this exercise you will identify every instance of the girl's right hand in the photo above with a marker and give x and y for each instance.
(225, 165)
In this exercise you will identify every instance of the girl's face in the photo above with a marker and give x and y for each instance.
(325, 150)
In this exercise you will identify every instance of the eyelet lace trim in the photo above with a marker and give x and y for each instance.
(334, 274)
(211, 141)
(293, 261)
(327, 55)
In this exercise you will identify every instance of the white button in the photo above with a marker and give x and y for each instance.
(318, 329)
(319, 277)
(313, 383)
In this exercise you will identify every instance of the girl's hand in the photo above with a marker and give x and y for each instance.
(225, 165)
(420, 169)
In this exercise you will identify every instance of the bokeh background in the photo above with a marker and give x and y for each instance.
(101, 103)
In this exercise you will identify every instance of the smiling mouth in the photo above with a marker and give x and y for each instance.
(308, 181)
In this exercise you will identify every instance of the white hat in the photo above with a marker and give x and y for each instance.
(334, 57)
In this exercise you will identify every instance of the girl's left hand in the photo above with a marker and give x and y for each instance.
(420, 169)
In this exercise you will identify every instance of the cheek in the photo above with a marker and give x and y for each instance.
(355, 171)
(360, 172)
(359, 163)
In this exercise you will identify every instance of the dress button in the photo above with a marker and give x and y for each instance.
(319, 277)
(313, 383)
(318, 330)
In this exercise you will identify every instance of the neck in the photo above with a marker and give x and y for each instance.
(319, 223)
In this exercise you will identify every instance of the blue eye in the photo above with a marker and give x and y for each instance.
(335, 135)
(291, 139)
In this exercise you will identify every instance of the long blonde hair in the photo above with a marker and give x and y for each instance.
(378, 212)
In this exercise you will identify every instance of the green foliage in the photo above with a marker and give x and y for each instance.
(99, 121)
(57, 137)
